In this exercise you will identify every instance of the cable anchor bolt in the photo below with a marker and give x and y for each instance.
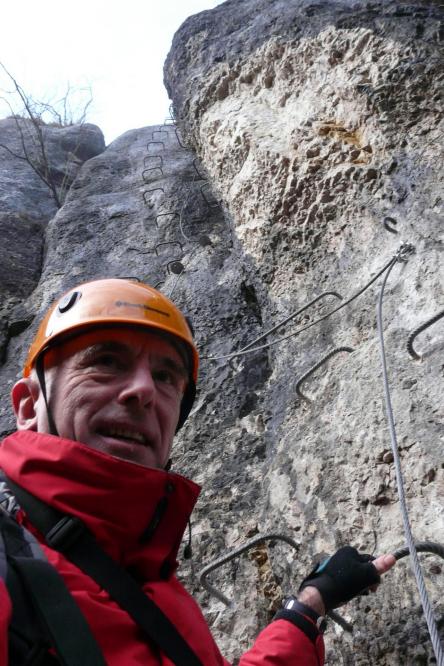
(404, 251)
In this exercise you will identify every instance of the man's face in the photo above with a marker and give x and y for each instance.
(117, 391)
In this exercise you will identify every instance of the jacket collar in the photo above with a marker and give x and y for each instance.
(118, 501)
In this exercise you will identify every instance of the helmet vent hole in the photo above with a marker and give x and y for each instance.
(68, 301)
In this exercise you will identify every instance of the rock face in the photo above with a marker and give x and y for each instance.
(27, 204)
(307, 148)
(320, 126)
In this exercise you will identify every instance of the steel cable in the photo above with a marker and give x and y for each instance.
(304, 328)
(289, 318)
(428, 611)
(421, 547)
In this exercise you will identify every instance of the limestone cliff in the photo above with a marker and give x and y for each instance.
(307, 147)
(320, 125)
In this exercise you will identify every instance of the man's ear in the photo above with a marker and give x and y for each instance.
(25, 394)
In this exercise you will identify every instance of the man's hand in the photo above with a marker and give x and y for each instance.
(342, 577)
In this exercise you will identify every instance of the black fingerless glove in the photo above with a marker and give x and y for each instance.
(342, 577)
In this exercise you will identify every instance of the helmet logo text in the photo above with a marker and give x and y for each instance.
(142, 306)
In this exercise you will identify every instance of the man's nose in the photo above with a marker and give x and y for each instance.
(139, 386)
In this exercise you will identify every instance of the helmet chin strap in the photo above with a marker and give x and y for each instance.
(40, 370)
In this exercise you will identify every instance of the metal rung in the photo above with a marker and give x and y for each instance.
(155, 143)
(159, 131)
(421, 547)
(323, 360)
(148, 170)
(256, 541)
(228, 557)
(178, 139)
(388, 223)
(168, 243)
(419, 330)
(153, 157)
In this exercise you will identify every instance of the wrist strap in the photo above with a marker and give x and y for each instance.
(299, 621)
(293, 604)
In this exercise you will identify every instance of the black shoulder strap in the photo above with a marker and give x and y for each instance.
(69, 536)
(57, 620)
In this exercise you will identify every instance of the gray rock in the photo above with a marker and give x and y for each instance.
(26, 206)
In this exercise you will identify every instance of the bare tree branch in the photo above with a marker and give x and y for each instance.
(30, 126)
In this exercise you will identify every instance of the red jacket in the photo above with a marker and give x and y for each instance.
(116, 500)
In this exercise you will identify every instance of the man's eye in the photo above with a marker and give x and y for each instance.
(165, 376)
(106, 361)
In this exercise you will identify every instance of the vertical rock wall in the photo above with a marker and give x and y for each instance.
(27, 204)
(321, 126)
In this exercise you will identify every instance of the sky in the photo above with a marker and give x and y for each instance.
(115, 48)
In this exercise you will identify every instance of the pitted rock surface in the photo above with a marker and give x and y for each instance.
(320, 125)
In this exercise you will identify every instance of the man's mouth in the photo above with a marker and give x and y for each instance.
(124, 434)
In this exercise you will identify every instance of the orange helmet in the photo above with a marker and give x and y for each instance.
(111, 301)
(108, 302)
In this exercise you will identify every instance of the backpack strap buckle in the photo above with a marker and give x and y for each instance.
(65, 533)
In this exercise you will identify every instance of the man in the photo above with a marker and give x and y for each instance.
(109, 379)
